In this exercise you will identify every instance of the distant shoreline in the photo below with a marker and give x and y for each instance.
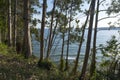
(108, 28)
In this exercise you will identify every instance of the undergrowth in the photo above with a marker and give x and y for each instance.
(14, 66)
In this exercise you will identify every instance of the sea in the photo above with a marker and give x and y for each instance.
(102, 37)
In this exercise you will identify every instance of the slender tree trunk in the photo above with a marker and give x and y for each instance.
(115, 66)
(9, 24)
(93, 63)
(80, 45)
(5, 34)
(51, 26)
(15, 24)
(61, 59)
(68, 41)
(82, 76)
(53, 36)
(27, 43)
(63, 43)
(42, 30)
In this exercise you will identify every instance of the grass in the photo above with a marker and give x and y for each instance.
(15, 67)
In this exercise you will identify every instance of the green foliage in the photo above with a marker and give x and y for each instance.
(68, 3)
(111, 49)
(76, 33)
(94, 76)
(62, 65)
(113, 8)
(104, 75)
(3, 49)
(46, 64)
(35, 31)
(110, 59)
(15, 67)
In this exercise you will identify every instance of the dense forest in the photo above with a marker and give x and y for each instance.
(18, 24)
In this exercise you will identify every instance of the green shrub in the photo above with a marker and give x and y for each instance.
(46, 64)
(62, 65)
(3, 49)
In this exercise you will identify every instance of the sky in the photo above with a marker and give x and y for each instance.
(81, 17)
(104, 23)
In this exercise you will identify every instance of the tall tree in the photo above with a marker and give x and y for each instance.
(68, 41)
(15, 24)
(63, 44)
(27, 38)
(4, 20)
(51, 27)
(70, 11)
(21, 17)
(70, 7)
(80, 45)
(9, 24)
(54, 35)
(92, 9)
(42, 30)
(93, 62)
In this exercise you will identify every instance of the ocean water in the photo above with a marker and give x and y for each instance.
(102, 37)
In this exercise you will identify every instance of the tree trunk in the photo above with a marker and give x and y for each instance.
(9, 24)
(82, 76)
(53, 36)
(61, 59)
(56, 25)
(68, 41)
(115, 66)
(42, 30)
(15, 24)
(80, 45)
(51, 26)
(63, 43)
(27, 38)
(93, 63)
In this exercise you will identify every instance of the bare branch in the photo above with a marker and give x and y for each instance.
(101, 2)
(109, 17)
(103, 10)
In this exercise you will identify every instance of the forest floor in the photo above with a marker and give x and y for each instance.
(16, 67)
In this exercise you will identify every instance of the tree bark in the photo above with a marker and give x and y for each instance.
(27, 38)
(68, 41)
(42, 30)
(93, 63)
(9, 24)
(54, 36)
(82, 76)
(15, 24)
(80, 45)
(63, 44)
(50, 36)
(61, 58)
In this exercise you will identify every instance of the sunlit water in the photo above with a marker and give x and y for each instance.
(102, 37)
